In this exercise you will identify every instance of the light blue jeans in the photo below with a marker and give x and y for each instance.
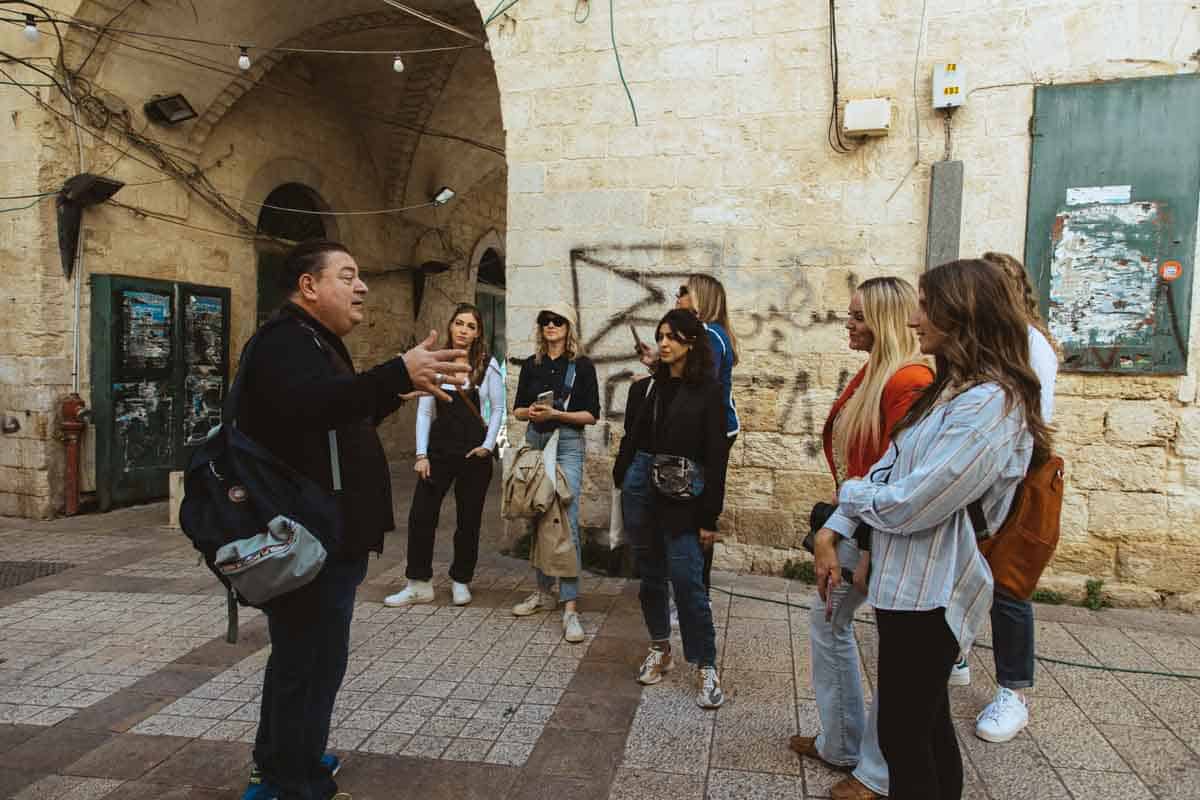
(570, 458)
(847, 737)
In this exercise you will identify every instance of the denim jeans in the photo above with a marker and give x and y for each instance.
(846, 738)
(661, 556)
(570, 457)
(1012, 641)
(310, 648)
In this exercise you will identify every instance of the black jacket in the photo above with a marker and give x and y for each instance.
(301, 385)
(694, 427)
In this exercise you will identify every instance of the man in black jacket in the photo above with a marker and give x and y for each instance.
(307, 405)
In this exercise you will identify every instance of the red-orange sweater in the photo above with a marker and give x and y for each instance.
(900, 392)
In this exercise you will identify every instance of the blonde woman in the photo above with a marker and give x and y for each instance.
(857, 433)
(558, 392)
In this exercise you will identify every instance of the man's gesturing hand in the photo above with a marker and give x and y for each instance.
(429, 368)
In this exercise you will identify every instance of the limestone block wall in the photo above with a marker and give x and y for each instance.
(730, 172)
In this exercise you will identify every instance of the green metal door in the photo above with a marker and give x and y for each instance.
(1111, 231)
(160, 361)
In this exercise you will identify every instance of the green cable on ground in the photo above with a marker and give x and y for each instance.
(612, 29)
(1043, 659)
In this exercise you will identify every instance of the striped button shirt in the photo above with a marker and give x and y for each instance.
(923, 550)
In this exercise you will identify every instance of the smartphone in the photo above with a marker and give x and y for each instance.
(544, 399)
(637, 340)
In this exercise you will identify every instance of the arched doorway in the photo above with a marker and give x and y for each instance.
(279, 218)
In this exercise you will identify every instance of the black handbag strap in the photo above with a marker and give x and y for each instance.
(978, 520)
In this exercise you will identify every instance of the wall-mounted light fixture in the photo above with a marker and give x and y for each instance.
(78, 193)
(169, 109)
(443, 195)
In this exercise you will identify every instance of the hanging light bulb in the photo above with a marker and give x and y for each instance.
(398, 64)
(244, 59)
(31, 29)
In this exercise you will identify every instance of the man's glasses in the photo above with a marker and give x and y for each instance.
(551, 320)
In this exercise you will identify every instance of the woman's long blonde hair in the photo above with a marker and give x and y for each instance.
(887, 304)
(708, 301)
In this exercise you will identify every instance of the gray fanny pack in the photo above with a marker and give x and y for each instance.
(279, 560)
(677, 477)
(282, 558)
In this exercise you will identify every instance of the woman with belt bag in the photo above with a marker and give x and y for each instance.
(671, 469)
(857, 433)
(454, 447)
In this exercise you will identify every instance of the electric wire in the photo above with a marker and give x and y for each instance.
(587, 11)
(916, 102)
(983, 645)
(498, 11)
(100, 34)
(834, 133)
(612, 29)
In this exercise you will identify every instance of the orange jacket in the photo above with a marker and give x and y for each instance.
(901, 391)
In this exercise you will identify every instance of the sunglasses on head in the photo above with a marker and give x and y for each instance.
(553, 320)
(674, 336)
(683, 292)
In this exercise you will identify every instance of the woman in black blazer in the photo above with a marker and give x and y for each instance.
(671, 470)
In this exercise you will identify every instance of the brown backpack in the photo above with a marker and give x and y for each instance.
(1025, 543)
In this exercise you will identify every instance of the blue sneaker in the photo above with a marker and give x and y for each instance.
(329, 761)
(258, 789)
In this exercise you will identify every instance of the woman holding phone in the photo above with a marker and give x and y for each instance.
(969, 437)
(454, 447)
(857, 433)
(558, 395)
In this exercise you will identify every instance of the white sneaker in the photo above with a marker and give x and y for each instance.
(655, 667)
(572, 627)
(535, 603)
(416, 592)
(461, 593)
(710, 694)
(960, 675)
(1005, 717)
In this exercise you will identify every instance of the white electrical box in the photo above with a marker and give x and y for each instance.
(949, 85)
(867, 117)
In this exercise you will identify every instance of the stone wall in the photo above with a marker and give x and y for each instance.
(730, 173)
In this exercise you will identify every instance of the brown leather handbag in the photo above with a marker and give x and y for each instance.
(1019, 552)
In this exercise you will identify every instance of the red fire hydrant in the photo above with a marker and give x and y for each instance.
(73, 425)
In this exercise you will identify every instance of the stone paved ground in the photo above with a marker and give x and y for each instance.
(116, 682)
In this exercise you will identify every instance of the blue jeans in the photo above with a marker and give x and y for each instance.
(310, 648)
(570, 457)
(661, 555)
(1012, 641)
(847, 738)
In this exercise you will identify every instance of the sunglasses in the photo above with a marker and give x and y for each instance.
(682, 293)
(673, 336)
(551, 320)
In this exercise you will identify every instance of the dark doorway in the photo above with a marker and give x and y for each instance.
(289, 213)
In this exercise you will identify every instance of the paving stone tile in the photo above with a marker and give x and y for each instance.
(205, 764)
(61, 787)
(54, 748)
(579, 712)
(125, 757)
(1103, 698)
(1167, 766)
(1016, 770)
(669, 733)
(1105, 785)
(13, 781)
(577, 754)
(1069, 740)
(423, 746)
(638, 784)
(548, 787)
(726, 784)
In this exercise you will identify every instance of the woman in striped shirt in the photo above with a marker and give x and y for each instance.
(970, 436)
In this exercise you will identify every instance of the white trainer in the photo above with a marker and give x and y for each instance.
(1005, 717)
(960, 675)
(534, 604)
(415, 593)
(572, 627)
(460, 593)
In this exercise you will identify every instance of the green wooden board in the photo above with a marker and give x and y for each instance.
(1113, 190)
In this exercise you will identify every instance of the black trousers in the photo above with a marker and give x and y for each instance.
(470, 478)
(916, 652)
(310, 649)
